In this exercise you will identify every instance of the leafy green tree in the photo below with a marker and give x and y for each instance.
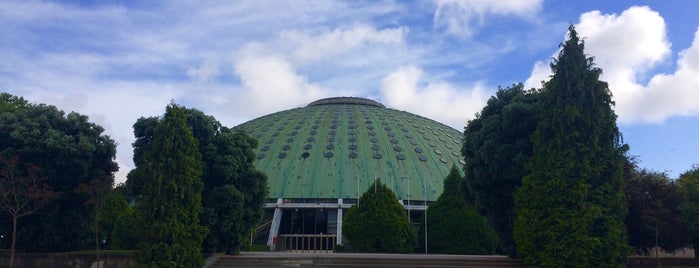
(653, 220)
(454, 227)
(379, 223)
(125, 229)
(497, 146)
(689, 208)
(22, 193)
(10, 103)
(171, 202)
(96, 190)
(571, 206)
(234, 191)
(144, 131)
(115, 205)
(68, 150)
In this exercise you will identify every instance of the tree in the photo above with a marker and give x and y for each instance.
(121, 220)
(455, 227)
(68, 150)
(171, 202)
(689, 208)
(22, 193)
(114, 206)
(496, 148)
(96, 190)
(10, 103)
(571, 207)
(653, 219)
(234, 191)
(379, 223)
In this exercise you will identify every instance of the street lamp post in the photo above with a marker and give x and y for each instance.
(425, 189)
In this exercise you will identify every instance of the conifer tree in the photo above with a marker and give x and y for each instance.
(234, 191)
(171, 202)
(455, 227)
(571, 207)
(379, 223)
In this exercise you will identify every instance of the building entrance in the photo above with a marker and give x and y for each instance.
(308, 230)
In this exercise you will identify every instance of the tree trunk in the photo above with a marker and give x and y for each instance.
(657, 256)
(14, 239)
(97, 237)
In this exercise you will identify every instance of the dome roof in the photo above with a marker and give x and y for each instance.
(336, 147)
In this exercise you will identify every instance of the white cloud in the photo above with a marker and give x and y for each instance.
(635, 39)
(463, 18)
(540, 72)
(671, 94)
(115, 106)
(207, 71)
(311, 48)
(627, 46)
(270, 83)
(404, 90)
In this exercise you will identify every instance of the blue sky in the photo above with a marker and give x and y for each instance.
(116, 61)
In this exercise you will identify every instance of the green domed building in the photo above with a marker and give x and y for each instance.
(320, 158)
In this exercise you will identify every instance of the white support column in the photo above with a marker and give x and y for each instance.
(274, 228)
(339, 221)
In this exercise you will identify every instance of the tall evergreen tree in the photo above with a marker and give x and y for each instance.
(497, 146)
(171, 202)
(234, 191)
(571, 208)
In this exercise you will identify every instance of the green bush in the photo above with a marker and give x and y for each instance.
(379, 223)
(455, 228)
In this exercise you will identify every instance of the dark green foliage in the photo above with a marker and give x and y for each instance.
(144, 131)
(11, 104)
(571, 207)
(68, 150)
(496, 148)
(453, 227)
(22, 193)
(653, 201)
(234, 192)
(125, 234)
(689, 209)
(379, 223)
(171, 235)
(114, 206)
(223, 209)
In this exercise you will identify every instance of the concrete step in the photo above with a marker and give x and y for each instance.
(362, 260)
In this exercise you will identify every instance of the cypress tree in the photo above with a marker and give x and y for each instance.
(571, 207)
(171, 202)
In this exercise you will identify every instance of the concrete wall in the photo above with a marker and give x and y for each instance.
(65, 260)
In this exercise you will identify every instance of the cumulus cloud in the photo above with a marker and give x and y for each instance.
(669, 94)
(541, 72)
(627, 46)
(463, 18)
(404, 89)
(270, 83)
